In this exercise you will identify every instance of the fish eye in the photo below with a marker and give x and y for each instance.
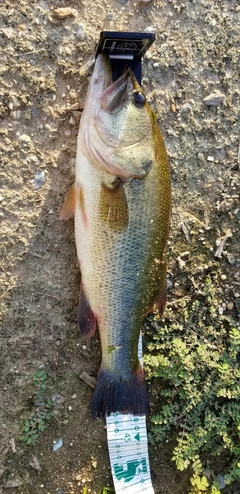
(139, 99)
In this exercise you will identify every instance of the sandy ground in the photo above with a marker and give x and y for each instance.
(44, 73)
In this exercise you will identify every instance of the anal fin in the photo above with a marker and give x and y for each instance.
(86, 319)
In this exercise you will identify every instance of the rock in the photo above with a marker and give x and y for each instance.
(63, 12)
(91, 381)
(25, 138)
(80, 32)
(185, 108)
(72, 121)
(221, 481)
(11, 484)
(8, 31)
(201, 157)
(38, 180)
(34, 463)
(144, 3)
(215, 98)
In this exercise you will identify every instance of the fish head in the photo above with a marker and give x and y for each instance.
(120, 122)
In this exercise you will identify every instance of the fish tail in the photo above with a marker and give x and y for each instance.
(120, 393)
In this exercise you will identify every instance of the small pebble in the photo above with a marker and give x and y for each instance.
(230, 306)
(210, 158)
(58, 399)
(214, 98)
(236, 295)
(25, 138)
(151, 29)
(72, 121)
(201, 157)
(185, 108)
(38, 181)
(8, 31)
(231, 258)
(80, 32)
(144, 3)
(223, 277)
(221, 481)
(34, 112)
(63, 12)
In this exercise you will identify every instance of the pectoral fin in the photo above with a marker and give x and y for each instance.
(68, 208)
(113, 206)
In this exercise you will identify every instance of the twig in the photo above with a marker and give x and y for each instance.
(222, 243)
(5, 250)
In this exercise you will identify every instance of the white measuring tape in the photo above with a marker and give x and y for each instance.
(128, 451)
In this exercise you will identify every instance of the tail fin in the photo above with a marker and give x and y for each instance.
(117, 393)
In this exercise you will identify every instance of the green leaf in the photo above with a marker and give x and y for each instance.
(200, 482)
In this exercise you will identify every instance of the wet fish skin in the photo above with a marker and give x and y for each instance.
(121, 200)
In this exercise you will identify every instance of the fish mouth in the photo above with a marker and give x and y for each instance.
(117, 92)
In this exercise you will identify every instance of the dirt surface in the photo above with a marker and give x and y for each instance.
(44, 73)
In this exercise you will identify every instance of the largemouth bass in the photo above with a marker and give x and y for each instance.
(121, 200)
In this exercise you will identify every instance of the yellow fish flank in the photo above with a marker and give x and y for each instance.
(121, 200)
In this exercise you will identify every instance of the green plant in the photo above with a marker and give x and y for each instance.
(105, 490)
(196, 353)
(42, 410)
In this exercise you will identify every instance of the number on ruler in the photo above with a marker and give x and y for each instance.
(127, 438)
